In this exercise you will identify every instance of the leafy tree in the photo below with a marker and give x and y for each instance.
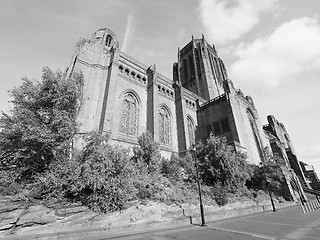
(220, 165)
(268, 172)
(179, 168)
(147, 154)
(41, 122)
(103, 177)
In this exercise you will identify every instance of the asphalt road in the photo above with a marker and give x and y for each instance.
(288, 224)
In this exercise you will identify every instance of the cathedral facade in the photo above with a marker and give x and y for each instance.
(126, 98)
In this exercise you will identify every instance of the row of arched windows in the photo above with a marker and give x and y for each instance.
(129, 121)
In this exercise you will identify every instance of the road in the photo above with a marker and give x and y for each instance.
(287, 224)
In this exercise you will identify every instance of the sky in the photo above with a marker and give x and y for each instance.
(271, 48)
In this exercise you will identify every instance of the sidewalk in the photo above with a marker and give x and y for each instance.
(285, 224)
(289, 223)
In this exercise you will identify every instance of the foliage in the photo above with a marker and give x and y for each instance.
(147, 154)
(268, 172)
(220, 195)
(102, 176)
(41, 121)
(220, 164)
(179, 168)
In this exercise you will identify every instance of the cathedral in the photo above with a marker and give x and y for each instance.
(126, 98)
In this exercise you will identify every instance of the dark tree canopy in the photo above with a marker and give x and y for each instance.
(221, 165)
(42, 120)
(269, 171)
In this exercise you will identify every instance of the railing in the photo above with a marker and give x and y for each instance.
(213, 100)
(310, 206)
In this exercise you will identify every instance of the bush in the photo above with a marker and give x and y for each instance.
(220, 195)
(220, 164)
(178, 168)
(103, 176)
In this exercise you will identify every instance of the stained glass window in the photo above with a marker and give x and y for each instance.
(129, 115)
(191, 131)
(164, 127)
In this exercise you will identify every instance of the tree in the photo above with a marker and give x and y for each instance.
(41, 123)
(269, 172)
(103, 177)
(179, 168)
(148, 153)
(221, 165)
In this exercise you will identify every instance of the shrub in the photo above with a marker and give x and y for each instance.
(103, 176)
(220, 164)
(220, 195)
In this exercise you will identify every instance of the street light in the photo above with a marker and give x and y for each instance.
(194, 155)
(270, 195)
(268, 187)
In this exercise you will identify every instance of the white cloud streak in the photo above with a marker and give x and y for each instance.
(225, 23)
(130, 28)
(292, 50)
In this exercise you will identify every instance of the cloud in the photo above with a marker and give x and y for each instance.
(291, 50)
(130, 28)
(224, 23)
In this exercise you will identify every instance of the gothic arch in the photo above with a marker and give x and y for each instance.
(255, 132)
(249, 111)
(191, 130)
(129, 114)
(108, 40)
(164, 125)
(133, 92)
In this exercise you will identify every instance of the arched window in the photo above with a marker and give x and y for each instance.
(108, 40)
(191, 131)
(129, 115)
(255, 132)
(191, 67)
(185, 70)
(164, 126)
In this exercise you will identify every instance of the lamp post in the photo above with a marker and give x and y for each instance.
(193, 151)
(270, 195)
(266, 160)
(268, 187)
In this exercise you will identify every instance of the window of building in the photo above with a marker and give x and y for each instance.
(108, 40)
(129, 115)
(208, 129)
(191, 67)
(221, 127)
(225, 125)
(185, 70)
(255, 132)
(198, 63)
(191, 131)
(164, 127)
(216, 128)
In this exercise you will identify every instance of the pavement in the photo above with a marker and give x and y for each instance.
(285, 224)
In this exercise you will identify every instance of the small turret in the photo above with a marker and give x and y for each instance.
(105, 37)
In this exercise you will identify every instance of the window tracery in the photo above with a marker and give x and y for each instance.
(164, 127)
(108, 40)
(129, 115)
(191, 131)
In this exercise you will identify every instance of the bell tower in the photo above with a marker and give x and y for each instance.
(200, 70)
(105, 37)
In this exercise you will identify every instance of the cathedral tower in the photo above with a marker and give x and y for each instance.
(200, 70)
